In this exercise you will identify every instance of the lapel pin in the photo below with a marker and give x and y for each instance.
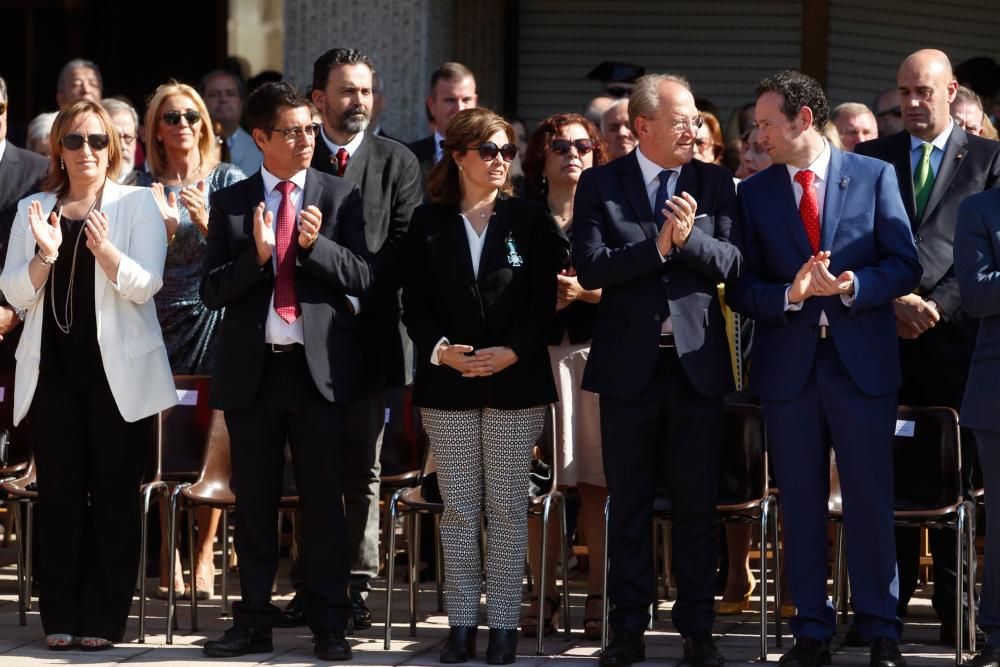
(843, 183)
(513, 257)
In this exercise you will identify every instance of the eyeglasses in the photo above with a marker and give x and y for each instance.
(562, 146)
(894, 111)
(74, 142)
(681, 124)
(488, 151)
(296, 133)
(127, 138)
(174, 117)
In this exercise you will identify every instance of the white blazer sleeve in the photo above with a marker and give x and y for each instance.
(15, 283)
(140, 271)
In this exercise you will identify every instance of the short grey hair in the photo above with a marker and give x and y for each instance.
(614, 105)
(40, 127)
(115, 106)
(645, 97)
(849, 109)
(75, 64)
(963, 96)
(3, 89)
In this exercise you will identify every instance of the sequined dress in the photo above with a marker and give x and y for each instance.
(188, 326)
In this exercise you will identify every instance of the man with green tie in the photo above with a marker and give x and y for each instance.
(938, 165)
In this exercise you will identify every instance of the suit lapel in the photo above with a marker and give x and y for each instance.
(312, 192)
(954, 151)
(118, 231)
(322, 160)
(833, 198)
(687, 181)
(899, 155)
(496, 233)
(634, 186)
(784, 201)
(356, 162)
(458, 243)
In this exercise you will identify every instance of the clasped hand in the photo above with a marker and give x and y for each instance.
(476, 363)
(815, 279)
(679, 213)
(914, 315)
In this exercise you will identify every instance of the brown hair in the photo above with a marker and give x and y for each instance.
(715, 132)
(538, 147)
(468, 128)
(156, 154)
(58, 179)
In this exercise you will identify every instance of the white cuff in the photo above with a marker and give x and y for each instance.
(791, 307)
(355, 304)
(849, 299)
(436, 352)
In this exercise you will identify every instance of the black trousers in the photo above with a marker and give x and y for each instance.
(89, 462)
(670, 427)
(288, 408)
(935, 367)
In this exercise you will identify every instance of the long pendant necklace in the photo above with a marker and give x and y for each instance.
(67, 323)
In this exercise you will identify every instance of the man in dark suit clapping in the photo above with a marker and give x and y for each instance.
(652, 229)
(286, 255)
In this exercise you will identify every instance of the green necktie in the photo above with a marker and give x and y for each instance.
(923, 179)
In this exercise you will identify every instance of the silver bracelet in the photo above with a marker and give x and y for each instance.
(47, 260)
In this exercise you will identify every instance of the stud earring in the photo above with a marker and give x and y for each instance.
(62, 164)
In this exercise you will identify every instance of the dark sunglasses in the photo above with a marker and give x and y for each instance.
(488, 151)
(174, 117)
(74, 142)
(894, 111)
(562, 146)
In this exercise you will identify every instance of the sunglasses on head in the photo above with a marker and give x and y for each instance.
(488, 151)
(174, 117)
(562, 146)
(74, 142)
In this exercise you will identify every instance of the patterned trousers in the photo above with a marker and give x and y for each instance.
(484, 454)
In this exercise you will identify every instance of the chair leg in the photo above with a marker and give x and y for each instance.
(390, 567)
(959, 544)
(543, 575)
(564, 532)
(20, 510)
(604, 587)
(191, 561)
(776, 545)
(970, 552)
(414, 562)
(28, 553)
(225, 563)
(438, 563)
(143, 538)
(765, 515)
(171, 546)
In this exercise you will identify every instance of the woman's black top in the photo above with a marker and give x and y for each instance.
(577, 319)
(510, 303)
(75, 355)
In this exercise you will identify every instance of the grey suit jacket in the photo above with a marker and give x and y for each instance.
(977, 265)
(388, 176)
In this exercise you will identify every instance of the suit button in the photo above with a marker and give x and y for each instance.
(656, 317)
(259, 326)
(917, 239)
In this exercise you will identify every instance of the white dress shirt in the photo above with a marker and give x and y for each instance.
(3, 148)
(243, 152)
(651, 178)
(277, 330)
(937, 155)
(351, 147)
(438, 151)
(820, 168)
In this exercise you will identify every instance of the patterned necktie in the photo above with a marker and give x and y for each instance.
(341, 160)
(661, 196)
(286, 301)
(923, 179)
(809, 208)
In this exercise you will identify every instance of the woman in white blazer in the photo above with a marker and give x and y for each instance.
(84, 260)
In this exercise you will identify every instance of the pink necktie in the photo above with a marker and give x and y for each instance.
(286, 301)
(809, 208)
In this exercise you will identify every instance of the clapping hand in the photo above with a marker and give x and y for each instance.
(263, 234)
(310, 220)
(680, 212)
(195, 200)
(825, 283)
(48, 235)
(802, 285)
(168, 209)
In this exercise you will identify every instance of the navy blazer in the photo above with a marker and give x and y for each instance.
(977, 265)
(867, 231)
(614, 248)
(336, 265)
(510, 303)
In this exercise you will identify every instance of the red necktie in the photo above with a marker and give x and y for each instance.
(809, 208)
(341, 160)
(286, 301)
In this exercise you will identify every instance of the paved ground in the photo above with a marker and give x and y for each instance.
(737, 637)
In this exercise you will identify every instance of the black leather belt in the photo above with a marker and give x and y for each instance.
(274, 348)
(667, 340)
(823, 332)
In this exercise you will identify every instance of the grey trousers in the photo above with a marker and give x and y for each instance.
(483, 458)
(362, 471)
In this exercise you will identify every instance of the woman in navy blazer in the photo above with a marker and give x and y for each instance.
(478, 295)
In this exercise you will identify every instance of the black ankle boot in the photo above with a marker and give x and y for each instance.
(502, 649)
(461, 645)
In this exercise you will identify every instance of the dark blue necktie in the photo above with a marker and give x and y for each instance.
(661, 196)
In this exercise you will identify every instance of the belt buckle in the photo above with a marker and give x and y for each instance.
(824, 332)
(670, 341)
(278, 349)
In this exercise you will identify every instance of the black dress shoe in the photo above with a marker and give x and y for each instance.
(502, 649)
(294, 613)
(360, 615)
(807, 652)
(330, 644)
(625, 649)
(700, 651)
(885, 653)
(461, 645)
(239, 640)
(989, 656)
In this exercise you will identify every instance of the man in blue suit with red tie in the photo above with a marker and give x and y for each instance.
(827, 247)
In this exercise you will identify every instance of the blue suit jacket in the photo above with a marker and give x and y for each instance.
(977, 265)
(614, 248)
(867, 231)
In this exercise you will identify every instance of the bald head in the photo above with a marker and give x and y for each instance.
(927, 88)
